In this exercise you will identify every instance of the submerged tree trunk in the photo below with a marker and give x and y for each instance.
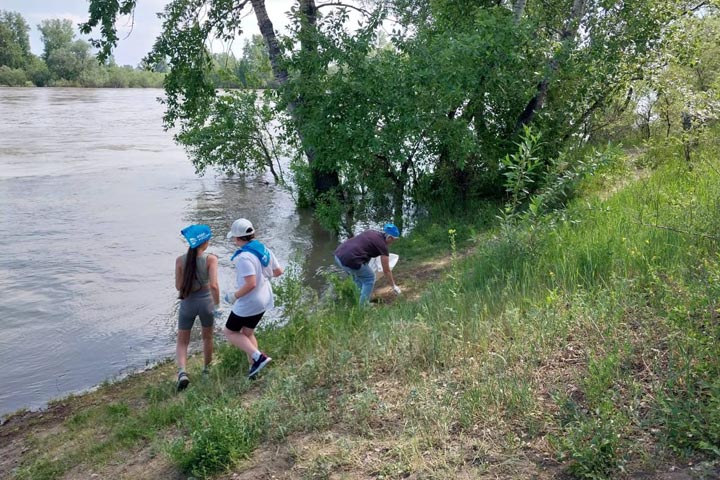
(323, 180)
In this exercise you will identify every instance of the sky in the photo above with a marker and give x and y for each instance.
(145, 29)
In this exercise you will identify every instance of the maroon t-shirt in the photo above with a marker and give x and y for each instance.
(356, 251)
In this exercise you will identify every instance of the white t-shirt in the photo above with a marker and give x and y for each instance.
(260, 298)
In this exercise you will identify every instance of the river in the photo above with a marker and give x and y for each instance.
(93, 195)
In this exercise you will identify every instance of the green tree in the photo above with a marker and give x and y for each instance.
(66, 58)
(190, 94)
(12, 77)
(239, 136)
(428, 116)
(69, 62)
(687, 87)
(678, 97)
(14, 40)
(254, 69)
(37, 71)
(223, 72)
(57, 33)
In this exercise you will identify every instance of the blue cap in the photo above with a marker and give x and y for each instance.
(392, 230)
(196, 235)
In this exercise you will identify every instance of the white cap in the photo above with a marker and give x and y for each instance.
(241, 228)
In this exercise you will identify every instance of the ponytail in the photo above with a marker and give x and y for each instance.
(189, 270)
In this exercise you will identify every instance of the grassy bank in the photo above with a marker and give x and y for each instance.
(583, 344)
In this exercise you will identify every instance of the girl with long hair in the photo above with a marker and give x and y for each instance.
(196, 280)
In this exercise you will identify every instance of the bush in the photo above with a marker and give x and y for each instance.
(37, 72)
(12, 77)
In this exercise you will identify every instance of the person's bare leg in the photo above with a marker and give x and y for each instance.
(240, 341)
(250, 333)
(207, 336)
(181, 348)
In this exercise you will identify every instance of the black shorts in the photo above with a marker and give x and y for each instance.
(236, 322)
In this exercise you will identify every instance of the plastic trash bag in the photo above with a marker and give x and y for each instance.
(376, 264)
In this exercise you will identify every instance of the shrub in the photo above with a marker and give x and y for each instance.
(591, 443)
(12, 77)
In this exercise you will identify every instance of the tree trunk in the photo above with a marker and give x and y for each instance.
(687, 126)
(323, 180)
(401, 182)
(268, 33)
(518, 9)
(569, 32)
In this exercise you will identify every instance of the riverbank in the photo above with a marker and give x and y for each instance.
(100, 186)
(22, 431)
(580, 345)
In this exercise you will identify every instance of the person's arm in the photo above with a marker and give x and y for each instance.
(250, 283)
(213, 284)
(277, 270)
(178, 273)
(385, 262)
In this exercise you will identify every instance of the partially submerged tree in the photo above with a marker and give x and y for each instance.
(424, 119)
(191, 100)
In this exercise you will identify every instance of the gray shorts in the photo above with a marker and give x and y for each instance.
(198, 304)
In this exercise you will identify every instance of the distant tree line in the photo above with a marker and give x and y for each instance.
(67, 61)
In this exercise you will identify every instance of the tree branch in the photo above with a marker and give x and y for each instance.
(132, 24)
(344, 5)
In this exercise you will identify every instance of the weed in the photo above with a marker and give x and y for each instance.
(219, 436)
(592, 444)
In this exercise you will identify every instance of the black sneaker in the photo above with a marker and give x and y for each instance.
(258, 365)
(183, 381)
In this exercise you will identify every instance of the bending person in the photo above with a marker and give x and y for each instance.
(196, 281)
(255, 265)
(354, 254)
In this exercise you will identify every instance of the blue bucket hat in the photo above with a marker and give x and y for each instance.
(392, 230)
(196, 235)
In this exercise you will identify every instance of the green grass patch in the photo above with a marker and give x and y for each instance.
(219, 437)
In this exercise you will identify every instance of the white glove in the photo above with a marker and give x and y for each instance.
(216, 311)
(396, 289)
(229, 297)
